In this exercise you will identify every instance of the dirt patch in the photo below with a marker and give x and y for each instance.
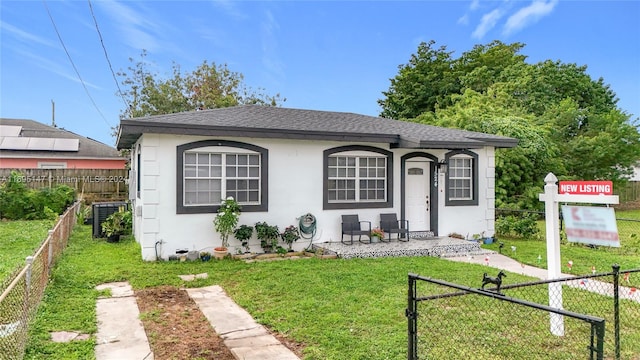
(177, 329)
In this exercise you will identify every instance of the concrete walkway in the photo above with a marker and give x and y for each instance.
(120, 332)
(245, 338)
(121, 335)
(502, 262)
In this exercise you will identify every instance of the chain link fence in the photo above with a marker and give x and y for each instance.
(598, 317)
(22, 293)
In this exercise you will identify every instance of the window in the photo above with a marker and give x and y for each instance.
(210, 171)
(211, 177)
(462, 178)
(353, 178)
(357, 177)
(52, 165)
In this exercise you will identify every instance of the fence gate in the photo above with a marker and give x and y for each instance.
(451, 321)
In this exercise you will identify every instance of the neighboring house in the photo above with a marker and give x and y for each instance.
(283, 163)
(28, 144)
(636, 173)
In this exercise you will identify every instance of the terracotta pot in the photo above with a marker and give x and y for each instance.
(220, 252)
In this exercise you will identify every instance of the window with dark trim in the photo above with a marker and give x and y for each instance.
(462, 178)
(357, 177)
(212, 170)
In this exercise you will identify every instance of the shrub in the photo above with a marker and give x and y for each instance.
(524, 226)
(13, 198)
(18, 202)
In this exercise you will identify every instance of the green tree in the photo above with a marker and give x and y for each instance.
(485, 65)
(209, 86)
(420, 84)
(594, 145)
(567, 123)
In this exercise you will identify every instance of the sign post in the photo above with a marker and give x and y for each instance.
(592, 192)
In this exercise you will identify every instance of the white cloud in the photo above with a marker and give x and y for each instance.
(23, 35)
(47, 64)
(464, 19)
(488, 22)
(529, 15)
(230, 8)
(137, 27)
(270, 44)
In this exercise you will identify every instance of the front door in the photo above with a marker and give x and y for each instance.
(417, 201)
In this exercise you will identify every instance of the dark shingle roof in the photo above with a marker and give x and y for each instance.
(87, 148)
(285, 123)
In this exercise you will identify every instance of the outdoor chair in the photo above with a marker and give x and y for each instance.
(390, 224)
(352, 226)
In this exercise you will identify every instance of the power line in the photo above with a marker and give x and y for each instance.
(74, 65)
(126, 103)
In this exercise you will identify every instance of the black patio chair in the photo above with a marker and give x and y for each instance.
(352, 226)
(390, 224)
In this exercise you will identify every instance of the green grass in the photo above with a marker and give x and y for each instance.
(583, 257)
(341, 309)
(19, 239)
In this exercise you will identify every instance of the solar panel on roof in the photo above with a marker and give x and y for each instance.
(40, 144)
(10, 130)
(14, 143)
(66, 144)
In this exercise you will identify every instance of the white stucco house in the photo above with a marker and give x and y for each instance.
(282, 163)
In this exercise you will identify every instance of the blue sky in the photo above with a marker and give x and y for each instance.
(323, 55)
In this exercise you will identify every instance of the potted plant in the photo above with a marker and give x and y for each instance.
(205, 256)
(243, 233)
(224, 223)
(268, 236)
(116, 224)
(290, 235)
(376, 235)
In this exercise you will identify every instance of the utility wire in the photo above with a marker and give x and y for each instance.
(74, 65)
(126, 103)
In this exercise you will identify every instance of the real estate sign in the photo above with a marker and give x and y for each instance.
(591, 225)
(586, 187)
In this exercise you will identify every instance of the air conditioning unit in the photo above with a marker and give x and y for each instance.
(102, 210)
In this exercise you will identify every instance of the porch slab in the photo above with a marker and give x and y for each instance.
(429, 246)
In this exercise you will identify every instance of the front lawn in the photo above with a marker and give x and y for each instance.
(340, 309)
(335, 307)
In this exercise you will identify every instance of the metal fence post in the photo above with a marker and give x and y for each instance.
(29, 261)
(50, 255)
(616, 308)
(27, 290)
(600, 340)
(412, 314)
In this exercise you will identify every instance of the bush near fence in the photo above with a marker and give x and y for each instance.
(20, 299)
(91, 183)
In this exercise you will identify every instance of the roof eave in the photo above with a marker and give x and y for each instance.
(130, 132)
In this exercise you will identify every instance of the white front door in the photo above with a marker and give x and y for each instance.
(418, 203)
